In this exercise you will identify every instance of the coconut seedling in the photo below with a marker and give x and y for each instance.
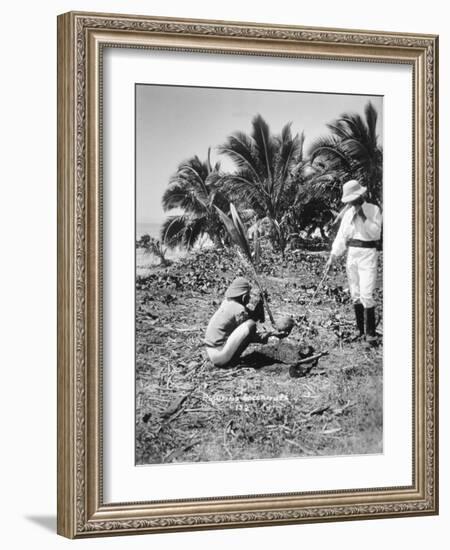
(238, 234)
(304, 358)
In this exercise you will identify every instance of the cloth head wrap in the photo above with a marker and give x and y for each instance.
(238, 287)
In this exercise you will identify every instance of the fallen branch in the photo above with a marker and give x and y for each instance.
(170, 411)
(319, 410)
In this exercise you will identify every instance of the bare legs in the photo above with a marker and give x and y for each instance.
(236, 344)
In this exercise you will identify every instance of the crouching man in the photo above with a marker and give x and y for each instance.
(360, 233)
(234, 326)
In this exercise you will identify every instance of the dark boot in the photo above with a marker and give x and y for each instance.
(371, 335)
(359, 316)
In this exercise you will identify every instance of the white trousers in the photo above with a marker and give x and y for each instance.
(362, 274)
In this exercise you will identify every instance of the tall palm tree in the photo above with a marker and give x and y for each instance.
(354, 145)
(194, 189)
(263, 178)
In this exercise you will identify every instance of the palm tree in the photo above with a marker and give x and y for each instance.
(263, 179)
(317, 198)
(353, 144)
(194, 189)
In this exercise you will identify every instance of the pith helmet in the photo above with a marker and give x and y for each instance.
(352, 190)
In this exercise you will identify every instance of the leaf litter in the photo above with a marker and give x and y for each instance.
(189, 411)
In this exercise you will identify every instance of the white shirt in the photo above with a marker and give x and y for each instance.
(353, 227)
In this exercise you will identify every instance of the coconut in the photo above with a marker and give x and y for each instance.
(285, 324)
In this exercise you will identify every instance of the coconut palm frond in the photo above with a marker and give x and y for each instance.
(196, 165)
(333, 152)
(196, 228)
(357, 130)
(339, 129)
(186, 197)
(242, 150)
(172, 230)
(264, 146)
(241, 230)
(286, 131)
(238, 234)
(236, 230)
(194, 188)
(321, 142)
(242, 189)
(356, 150)
(218, 196)
(256, 248)
(301, 146)
(289, 156)
(353, 144)
(371, 120)
(208, 160)
(213, 180)
(182, 230)
(190, 173)
(287, 153)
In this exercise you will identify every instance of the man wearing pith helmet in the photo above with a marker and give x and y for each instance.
(360, 233)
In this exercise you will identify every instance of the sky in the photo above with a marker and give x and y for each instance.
(174, 123)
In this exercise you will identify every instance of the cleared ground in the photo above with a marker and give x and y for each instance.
(189, 411)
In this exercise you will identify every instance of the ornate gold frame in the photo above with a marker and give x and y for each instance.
(81, 37)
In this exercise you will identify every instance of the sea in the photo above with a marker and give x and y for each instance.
(146, 261)
(148, 228)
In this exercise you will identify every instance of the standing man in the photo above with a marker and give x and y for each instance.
(360, 232)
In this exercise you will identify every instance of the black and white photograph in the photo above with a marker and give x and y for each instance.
(259, 274)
